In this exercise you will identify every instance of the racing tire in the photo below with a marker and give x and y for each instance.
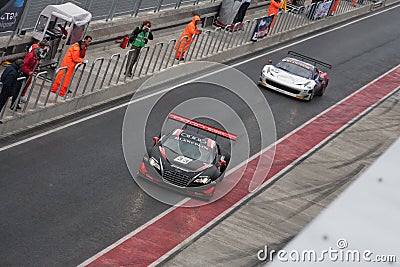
(321, 91)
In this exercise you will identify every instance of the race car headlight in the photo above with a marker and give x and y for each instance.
(153, 162)
(203, 180)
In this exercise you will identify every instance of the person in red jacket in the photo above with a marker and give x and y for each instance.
(31, 61)
(274, 6)
(183, 44)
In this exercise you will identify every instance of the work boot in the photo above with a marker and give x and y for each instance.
(18, 107)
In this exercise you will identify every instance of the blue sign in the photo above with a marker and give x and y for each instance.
(262, 27)
(10, 14)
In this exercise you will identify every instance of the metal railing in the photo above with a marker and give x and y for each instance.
(105, 73)
(103, 9)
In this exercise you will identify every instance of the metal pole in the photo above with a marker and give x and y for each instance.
(144, 60)
(158, 6)
(72, 78)
(279, 22)
(226, 34)
(98, 71)
(236, 33)
(31, 90)
(246, 26)
(191, 47)
(22, 21)
(178, 4)
(65, 69)
(165, 53)
(122, 67)
(5, 106)
(137, 7)
(129, 62)
(19, 94)
(41, 88)
(214, 40)
(160, 44)
(115, 67)
(204, 42)
(219, 39)
(90, 75)
(112, 11)
(151, 59)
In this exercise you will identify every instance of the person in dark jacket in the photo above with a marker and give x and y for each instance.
(138, 39)
(9, 80)
(242, 11)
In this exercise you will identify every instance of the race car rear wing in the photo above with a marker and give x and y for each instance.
(310, 59)
(202, 126)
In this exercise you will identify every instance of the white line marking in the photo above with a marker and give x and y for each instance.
(171, 88)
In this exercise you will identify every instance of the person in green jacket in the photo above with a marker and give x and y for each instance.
(138, 39)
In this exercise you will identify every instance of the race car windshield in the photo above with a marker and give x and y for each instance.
(189, 149)
(295, 69)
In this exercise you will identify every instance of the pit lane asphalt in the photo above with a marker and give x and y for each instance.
(67, 195)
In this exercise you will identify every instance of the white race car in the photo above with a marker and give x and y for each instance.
(295, 77)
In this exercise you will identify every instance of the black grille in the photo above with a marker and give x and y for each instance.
(285, 88)
(176, 178)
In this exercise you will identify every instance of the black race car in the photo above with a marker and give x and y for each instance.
(187, 161)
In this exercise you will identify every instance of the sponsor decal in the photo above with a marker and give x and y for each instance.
(182, 159)
(262, 27)
(299, 63)
(189, 141)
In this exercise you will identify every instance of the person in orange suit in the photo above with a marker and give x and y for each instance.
(183, 44)
(71, 59)
(334, 7)
(274, 6)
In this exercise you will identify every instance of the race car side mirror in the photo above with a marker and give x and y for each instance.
(221, 162)
(156, 140)
(269, 61)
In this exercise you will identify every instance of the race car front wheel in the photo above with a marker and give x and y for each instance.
(321, 91)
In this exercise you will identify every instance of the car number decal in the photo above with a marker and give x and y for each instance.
(182, 159)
